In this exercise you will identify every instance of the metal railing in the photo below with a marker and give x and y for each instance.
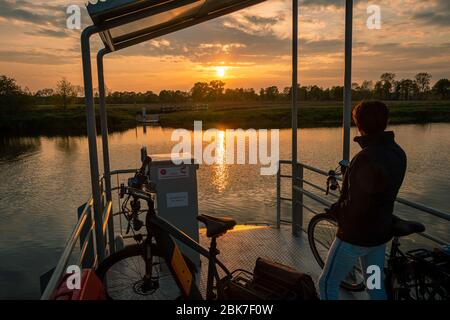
(95, 235)
(92, 234)
(320, 199)
(95, 238)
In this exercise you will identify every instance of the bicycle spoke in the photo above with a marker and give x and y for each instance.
(125, 280)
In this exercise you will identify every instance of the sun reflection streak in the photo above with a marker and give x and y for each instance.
(219, 178)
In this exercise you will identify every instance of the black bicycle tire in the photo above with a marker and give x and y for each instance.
(312, 243)
(133, 251)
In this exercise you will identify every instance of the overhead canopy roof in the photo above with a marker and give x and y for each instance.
(128, 22)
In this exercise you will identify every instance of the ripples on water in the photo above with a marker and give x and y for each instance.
(44, 180)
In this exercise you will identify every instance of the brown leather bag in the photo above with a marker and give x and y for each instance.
(285, 280)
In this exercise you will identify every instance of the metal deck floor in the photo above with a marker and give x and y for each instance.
(239, 249)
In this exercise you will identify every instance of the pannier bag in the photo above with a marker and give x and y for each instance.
(270, 281)
(285, 279)
(242, 287)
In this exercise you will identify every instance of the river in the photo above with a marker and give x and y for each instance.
(44, 180)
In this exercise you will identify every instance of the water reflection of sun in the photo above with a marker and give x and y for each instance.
(219, 178)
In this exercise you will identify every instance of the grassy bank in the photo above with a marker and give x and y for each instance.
(310, 115)
(50, 120)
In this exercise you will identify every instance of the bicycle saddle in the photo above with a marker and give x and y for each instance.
(402, 228)
(216, 226)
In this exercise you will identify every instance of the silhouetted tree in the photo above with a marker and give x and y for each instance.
(216, 89)
(363, 91)
(423, 80)
(44, 96)
(406, 89)
(240, 94)
(271, 93)
(173, 96)
(315, 93)
(200, 91)
(65, 93)
(12, 97)
(337, 93)
(442, 88)
(388, 84)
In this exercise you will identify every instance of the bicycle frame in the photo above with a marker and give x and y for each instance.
(163, 231)
(394, 254)
(394, 248)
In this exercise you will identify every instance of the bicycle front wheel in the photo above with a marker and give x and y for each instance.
(124, 276)
(322, 231)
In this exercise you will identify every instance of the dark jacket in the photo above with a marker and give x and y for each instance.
(370, 187)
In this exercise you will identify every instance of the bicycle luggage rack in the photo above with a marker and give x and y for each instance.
(436, 263)
(243, 287)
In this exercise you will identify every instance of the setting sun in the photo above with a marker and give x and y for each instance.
(221, 71)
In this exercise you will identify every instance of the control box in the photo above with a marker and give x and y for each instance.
(177, 197)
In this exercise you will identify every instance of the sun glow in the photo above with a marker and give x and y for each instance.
(221, 71)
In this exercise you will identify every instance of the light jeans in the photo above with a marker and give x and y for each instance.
(342, 257)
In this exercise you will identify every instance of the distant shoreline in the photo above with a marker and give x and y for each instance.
(53, 121)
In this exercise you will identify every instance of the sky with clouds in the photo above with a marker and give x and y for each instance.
(253, 45)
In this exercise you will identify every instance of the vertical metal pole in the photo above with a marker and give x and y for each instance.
(105, 143)
(300, 170)
(279, 196)
(348, 78)
(295, 216)
(92, 138)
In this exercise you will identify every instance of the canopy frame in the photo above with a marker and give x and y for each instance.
(297, 175)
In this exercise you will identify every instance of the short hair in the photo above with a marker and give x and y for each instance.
(371, 116)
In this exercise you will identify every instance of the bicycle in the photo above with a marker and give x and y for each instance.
(405, 276)
(154, 267)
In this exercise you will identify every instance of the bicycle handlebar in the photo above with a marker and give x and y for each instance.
(138, 193)
(145, 163)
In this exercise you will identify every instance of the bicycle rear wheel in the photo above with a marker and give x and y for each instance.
(123, 276)
(322, 231)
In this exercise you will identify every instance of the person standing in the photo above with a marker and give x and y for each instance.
(365, 208)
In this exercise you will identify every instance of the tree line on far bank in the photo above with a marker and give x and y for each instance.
(13, 97)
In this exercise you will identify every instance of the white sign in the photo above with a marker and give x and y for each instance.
(178, 172)
(177, 200)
